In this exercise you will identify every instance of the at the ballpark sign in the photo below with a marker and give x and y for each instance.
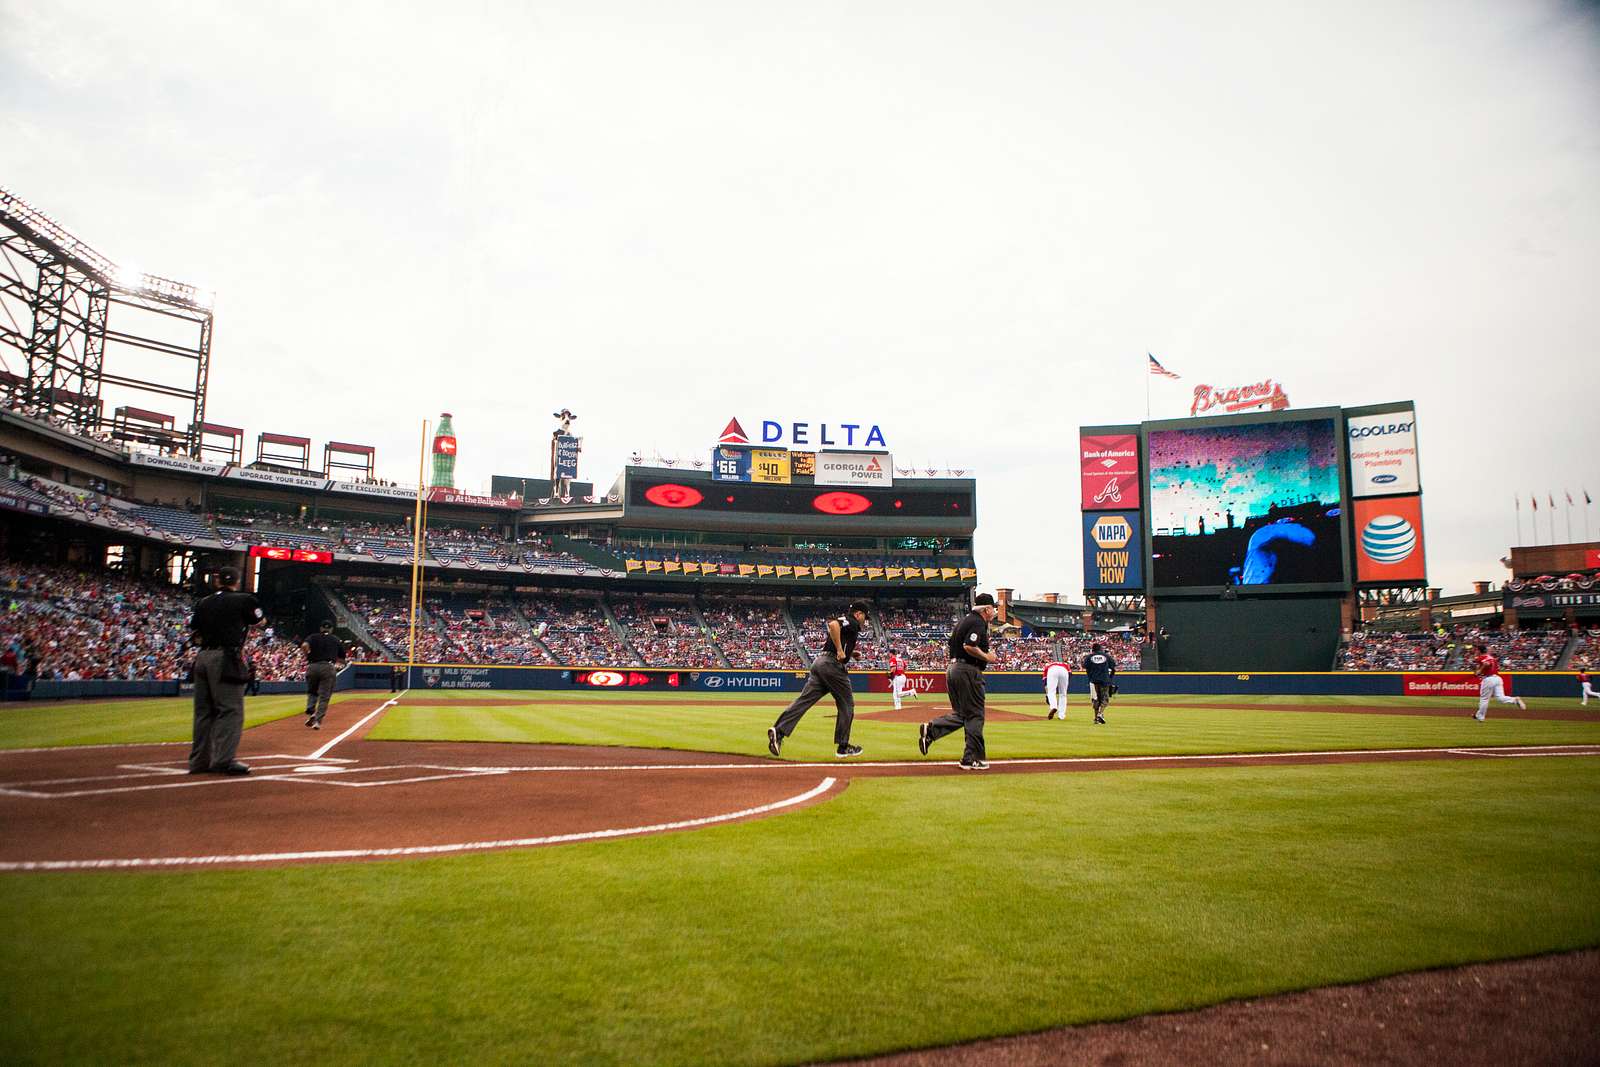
(1109, 467)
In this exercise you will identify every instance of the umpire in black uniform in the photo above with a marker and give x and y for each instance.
(323, 653)
(221, 627)
(828, 675)
(969, 655)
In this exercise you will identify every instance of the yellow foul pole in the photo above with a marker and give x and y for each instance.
(417, 521)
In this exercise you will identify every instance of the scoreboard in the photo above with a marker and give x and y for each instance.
(699, 500)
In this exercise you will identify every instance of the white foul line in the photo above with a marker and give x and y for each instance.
(418, 850)
(319, 753)
(1063, 761)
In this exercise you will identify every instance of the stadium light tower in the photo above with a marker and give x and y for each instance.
(78, 320)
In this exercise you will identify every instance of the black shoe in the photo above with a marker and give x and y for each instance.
(974, 765)
(846, 751)
(317, 725)
(311, 720)
(234, 768)
(199, 770)
(923, 740)
(774, 741)
(1099, 720)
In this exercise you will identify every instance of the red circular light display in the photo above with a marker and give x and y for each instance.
(841, 503)
(898, 504)
(673, 496)
(602, 679)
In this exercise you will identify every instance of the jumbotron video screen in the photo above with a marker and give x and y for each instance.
(1251, 504)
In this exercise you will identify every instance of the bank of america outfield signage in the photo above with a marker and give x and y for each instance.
(1383, 454)
(1109, 470)
(1113, 550)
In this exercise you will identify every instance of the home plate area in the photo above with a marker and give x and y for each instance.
(137, 806)
(307, 770)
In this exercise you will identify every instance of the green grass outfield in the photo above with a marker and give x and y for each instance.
(904, 912)
(717, 722)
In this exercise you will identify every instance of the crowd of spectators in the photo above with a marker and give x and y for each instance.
(1519, 650)
(665, 632)
(66, 624)
(752, 633)
(1378, 650)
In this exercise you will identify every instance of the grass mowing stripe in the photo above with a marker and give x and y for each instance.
(689, 723)
(128, 722)
(905, 912)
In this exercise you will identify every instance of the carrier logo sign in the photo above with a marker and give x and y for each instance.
(1383, 454)
(1109, 470)
(1112, 551)
(1388, 539)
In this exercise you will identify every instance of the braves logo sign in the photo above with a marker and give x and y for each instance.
(1266, 395)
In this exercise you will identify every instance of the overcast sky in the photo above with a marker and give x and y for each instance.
(964, 222)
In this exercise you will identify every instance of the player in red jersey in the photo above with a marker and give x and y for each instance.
(899, 684)
(1585, 689)
(1056, 676)
(1491, 687)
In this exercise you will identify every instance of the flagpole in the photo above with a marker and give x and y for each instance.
(1147, 376)
(1569, 518)
(1518, 498)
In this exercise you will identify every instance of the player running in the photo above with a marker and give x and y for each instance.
(899, 684)
(1056, 676)
(1492, 687)
(1101, 670)
(1586, 690)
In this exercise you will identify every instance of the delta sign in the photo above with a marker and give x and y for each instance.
(807, 435)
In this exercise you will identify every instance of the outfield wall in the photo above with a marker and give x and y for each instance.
(1175, 683)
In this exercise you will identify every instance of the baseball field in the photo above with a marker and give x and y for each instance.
(626, 879)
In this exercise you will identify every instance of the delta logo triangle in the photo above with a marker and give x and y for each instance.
(733, 434)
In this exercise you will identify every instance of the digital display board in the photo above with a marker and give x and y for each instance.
(608, 679)
(297, 555)
(734, 498)
(1251, 501)
(1109, 471)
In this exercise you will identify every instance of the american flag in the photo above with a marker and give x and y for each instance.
(1157, 369)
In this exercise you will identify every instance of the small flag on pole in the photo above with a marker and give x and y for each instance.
(1586, 499)
(1552, 501)
(1534, 498)
(1569, 496)
(1157, 369)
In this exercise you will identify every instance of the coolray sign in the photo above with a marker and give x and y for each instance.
(175, 463)
(1109, 471)
(1383, 454)
(738, 681)
(855, 468)
(1112, 551)
(1446, 685)
(1267, 395)
(808, 434)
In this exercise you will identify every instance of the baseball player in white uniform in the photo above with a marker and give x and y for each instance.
(1492, 687)
(1056, 677)
(899, 684)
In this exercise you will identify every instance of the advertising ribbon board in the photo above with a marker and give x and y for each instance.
(855, 468)
(1109, 469)
(1446, 685)
(770, 465)
(1113, 550)
(730, 464)
(1383, 454)
(175, 463)
(274, 478)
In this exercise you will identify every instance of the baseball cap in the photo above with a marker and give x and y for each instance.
(983, 599)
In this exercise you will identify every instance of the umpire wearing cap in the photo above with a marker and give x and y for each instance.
(828, 675)
(221, 626)
(969, 655)
(323, 652)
